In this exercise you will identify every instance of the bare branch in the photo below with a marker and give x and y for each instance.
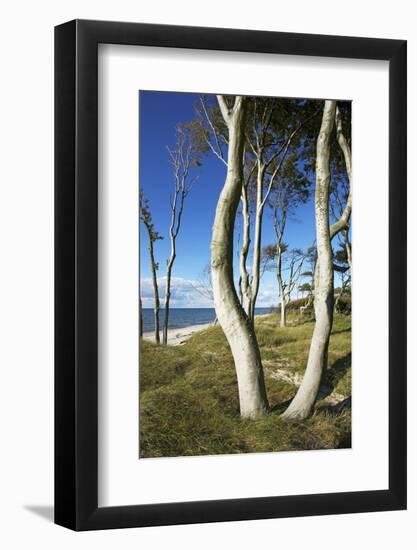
(218, 152)
(343, 221)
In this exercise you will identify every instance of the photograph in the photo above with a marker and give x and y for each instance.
(245, 274)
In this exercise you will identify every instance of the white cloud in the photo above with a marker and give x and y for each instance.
(185, 293)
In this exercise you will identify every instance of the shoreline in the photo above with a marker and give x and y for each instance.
(178, 336)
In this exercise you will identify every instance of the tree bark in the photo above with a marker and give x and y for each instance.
(302, 405)
(179, 159)
(244, 251)
(281, 286)
(343, 221)
(256, 262)
(168, 292)
(232, 317)
(152, 238)
(155, 290)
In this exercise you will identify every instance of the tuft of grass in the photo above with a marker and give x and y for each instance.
(189, 401)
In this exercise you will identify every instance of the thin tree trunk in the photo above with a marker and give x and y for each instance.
(155, 290)
(140, 318)
(256, 262)
(348, 250)
(232, 317)
(244, 276)
(281, 286)
(283, 320)
(173, 232)
(181, 159)
(152, 238)
(302, 405)
(168, 293)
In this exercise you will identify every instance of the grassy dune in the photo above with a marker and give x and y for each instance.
(189, 402)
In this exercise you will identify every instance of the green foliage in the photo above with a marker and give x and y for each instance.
(189, 401)
(146, 217)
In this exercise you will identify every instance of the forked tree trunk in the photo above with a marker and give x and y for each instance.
(232, 317)
(303, 402)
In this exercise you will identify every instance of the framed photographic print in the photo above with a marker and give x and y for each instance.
(230, 275)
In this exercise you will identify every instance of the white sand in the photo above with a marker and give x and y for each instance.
(177, 336)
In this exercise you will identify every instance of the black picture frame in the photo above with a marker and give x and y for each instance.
(76, 272)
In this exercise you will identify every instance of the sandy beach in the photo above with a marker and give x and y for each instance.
(178, 336)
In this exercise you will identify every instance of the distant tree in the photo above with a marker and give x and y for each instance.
(287, 264)
(310, 261)
(275, 131)
(291, 190)
(184, 157)
(146, 218)
(204, 286)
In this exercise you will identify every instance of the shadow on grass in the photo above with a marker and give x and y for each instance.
(338, 370)
(299, 321)
(281, 407)
(338, 408)
(330, 380)
(341, 331)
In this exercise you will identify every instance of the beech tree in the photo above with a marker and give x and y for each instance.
(291, 190)
(311, 261)
(183, 157)
(287, 264)
(302, 405)
(235, 323)
(274, 128)
(272, 135)
(146, 217)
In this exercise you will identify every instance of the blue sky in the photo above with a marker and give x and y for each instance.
(159, 114)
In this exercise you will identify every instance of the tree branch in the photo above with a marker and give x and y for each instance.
(343, 221)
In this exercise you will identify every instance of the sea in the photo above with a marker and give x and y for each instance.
(186, 317)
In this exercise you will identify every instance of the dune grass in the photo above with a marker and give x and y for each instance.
(189, 401)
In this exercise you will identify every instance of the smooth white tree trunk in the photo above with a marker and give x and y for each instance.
(302, 405)
(244, 251)
(282, 297)
(256, 261)
(231, 316)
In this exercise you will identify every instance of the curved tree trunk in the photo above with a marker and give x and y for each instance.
(232, 318)
(303, 402)
(244, 251)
